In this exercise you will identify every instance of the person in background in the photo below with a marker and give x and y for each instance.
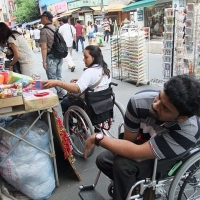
(19, 29)
(184, 20)
(90, 32)
(95, 69)
(79, 35)
(69, 34)
(157, 124)
(60, 22)
(52, 65)
(31, 32)
(106, 27)
(36, 36)
(20, 49)
(95, 26)
(111, 27)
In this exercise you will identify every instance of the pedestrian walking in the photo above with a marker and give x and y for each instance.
(69, 34)
(106, 27)
(36, 36)
(52, 65)
(111, 27)
(79, 35)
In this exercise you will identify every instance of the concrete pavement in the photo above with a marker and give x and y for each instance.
(68, 189)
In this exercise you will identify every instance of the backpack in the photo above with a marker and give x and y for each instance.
(59, 48)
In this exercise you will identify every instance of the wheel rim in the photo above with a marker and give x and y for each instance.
(78, 130)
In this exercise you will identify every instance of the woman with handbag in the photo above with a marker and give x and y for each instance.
(22, 52)
(96, 75)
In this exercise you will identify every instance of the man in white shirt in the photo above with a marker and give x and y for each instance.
(69, 34)
(36, 35)
(19, 29)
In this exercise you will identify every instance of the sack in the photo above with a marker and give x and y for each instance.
(99, 105)
(91, 35)
(59, 48)
(74, 45)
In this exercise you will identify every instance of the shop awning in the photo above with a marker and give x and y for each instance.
(115, 7)
(139, 4)
(109, 8)
(68, 13)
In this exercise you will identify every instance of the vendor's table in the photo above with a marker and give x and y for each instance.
(18, 110)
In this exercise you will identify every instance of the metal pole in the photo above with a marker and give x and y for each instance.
(173, 44)
(102, 9)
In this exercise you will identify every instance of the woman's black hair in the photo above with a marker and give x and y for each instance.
(96, 53)
(6, 32)
(183, 92)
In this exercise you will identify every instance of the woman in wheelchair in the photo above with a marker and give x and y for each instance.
(166, 119)
(96, 75)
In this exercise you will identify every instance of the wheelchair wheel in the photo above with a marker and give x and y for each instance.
(186, 183)
(110, 189)
(79, 128)
(116, 121)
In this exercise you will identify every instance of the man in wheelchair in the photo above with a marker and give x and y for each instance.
(159, 125)
(96, 76)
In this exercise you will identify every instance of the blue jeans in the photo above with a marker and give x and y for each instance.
(106, 34)
(54, 70)
(81, 39)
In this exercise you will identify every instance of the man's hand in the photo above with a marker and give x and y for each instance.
(90, 143)
(45, 66)
(50, 84)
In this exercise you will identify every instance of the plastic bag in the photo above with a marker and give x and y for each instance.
(28, 169)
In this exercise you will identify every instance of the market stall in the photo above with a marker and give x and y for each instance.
(27, 154)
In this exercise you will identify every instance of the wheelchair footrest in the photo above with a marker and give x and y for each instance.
(88, 192)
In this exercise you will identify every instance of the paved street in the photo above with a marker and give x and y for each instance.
(68, 189)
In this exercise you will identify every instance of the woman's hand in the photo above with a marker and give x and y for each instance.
(74, 80)
(11, 68)
(50, 84)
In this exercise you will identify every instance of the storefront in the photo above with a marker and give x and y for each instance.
(154, 18)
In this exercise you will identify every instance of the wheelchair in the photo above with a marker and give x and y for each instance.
(97, 111)
(175, 178)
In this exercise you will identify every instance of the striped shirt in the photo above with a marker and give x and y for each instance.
(167, 139)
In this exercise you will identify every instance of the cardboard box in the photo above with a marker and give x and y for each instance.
(6, 110)
(31, 102)
(12, 101)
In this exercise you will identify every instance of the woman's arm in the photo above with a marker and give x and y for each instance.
(15, 52)
(70, 87)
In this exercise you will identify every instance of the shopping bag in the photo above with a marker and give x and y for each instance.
(70, 62)
(74, 45)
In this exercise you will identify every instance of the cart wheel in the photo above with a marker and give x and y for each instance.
(148, 83)
(137, 84)
(110, 189)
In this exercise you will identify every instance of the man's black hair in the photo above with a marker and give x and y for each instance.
(65, 20)
(183, 92)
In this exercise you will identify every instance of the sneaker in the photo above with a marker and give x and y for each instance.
(72, 69)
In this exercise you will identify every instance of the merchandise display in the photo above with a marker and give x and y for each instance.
(128, 55)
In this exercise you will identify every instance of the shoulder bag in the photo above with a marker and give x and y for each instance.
(74, 43)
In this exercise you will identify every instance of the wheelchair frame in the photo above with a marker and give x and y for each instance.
(169, 188)
(85, 130)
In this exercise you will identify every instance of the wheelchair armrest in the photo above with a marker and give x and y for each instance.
(112, 83)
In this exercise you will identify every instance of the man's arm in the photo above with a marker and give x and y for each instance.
(122, 147)
(44, 54)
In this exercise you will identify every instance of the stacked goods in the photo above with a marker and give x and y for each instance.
(133, 55)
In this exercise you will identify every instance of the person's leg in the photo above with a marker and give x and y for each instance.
(107, 33)
(104, 162)
(65, 104)
(77, 39)
(82, 44)
(104, 36)
(53, 72)
(125, 174)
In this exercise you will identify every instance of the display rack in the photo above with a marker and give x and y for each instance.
(128, 55)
